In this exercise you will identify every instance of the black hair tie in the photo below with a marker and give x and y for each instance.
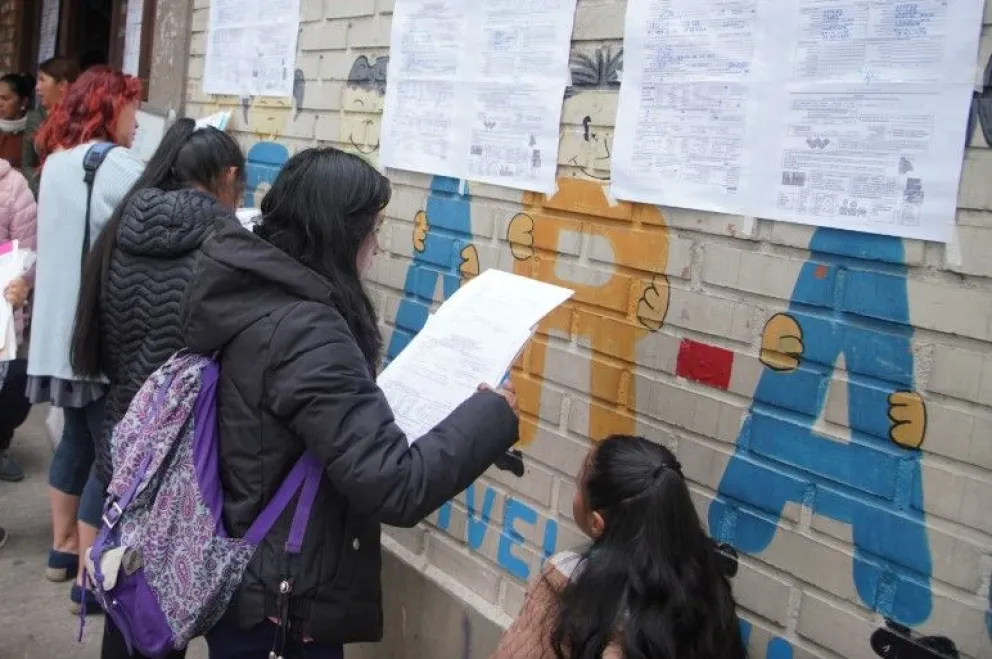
(660, 469)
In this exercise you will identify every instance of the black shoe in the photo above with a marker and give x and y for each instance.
(10, 471)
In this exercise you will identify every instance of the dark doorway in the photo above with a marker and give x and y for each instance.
(88, 31)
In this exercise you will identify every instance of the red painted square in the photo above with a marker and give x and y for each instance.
(706, 364)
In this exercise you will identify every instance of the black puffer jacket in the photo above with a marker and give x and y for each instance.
(149, 272)
(293, 378)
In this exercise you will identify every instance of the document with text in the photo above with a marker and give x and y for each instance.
(849, 114)
(472, 339)
(475, 89)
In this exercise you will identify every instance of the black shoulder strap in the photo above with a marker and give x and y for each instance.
(94, 157)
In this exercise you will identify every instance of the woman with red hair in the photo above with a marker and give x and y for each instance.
(83, 178)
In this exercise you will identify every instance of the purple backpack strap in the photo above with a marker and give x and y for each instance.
(306, 474)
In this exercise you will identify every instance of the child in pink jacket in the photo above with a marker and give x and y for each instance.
(18, 221)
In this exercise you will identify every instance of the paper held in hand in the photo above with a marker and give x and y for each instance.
(14, 262)
(473, 339)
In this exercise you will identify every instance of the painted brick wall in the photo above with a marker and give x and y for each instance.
(829, 394)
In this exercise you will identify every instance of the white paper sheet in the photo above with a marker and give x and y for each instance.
(475, 90)
(151, 130)
(217, 120)
(132, 36)
(848, 114)
(13, 262)
(472, 339)
(48, 31)
(251, 47)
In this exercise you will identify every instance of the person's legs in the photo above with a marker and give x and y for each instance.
(227, 641)
(90, 512)
(89, 520)
(114, 646)
(14, 409)
(67, 477)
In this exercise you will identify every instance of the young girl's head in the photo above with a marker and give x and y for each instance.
(650, 581)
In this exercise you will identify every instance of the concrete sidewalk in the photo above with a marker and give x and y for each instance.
(35, 622)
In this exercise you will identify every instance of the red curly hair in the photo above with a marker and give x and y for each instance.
(89, 111)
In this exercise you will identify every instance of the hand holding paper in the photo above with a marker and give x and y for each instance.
(473, 338)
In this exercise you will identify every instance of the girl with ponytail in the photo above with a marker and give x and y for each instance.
(649, 586)
(135, 277)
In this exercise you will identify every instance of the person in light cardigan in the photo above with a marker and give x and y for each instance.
(101, 106)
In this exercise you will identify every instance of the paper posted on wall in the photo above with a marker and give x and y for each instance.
(841, 114)
(472, 339)
(14, 262)
(251, 47)
(475, 89)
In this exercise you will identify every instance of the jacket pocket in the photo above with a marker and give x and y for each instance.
(358, 562)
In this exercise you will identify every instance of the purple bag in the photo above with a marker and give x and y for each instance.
(162, 566)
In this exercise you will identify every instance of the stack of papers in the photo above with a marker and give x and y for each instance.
(473, 339)
(217, 120)
(14, 262)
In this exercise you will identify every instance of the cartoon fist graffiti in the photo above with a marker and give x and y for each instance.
(908, 414)
(520, 235)
(782, 343)
(420, 229)
(469, 267)
(653, 305)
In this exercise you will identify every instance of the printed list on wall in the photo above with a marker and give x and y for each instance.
(251, 47)
(849, 114)
(475, 89)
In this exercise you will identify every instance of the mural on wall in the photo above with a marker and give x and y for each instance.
(265, 118)
(635, 239)
(872, 482)
(479, 502)
(365, 96)
(981, 107)
(599, 71)
(443, 255)
(632, 236)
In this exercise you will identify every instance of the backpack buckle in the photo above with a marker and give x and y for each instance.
(113, 515)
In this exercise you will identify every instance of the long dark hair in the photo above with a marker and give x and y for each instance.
(651, 582)
(185, 158)
(320, 210)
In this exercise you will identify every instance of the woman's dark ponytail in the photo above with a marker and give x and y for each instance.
(186, 156)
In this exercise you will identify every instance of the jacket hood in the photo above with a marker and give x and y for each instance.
(240, 279)
(168, 224)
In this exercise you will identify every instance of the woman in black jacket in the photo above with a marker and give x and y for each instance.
(127, 319)
(299, 345)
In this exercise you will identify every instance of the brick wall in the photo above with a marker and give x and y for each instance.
(8, 35)
(829, 394)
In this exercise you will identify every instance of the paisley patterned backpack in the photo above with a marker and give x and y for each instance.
(162, 566)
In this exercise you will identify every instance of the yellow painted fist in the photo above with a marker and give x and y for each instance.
(470, 263)
(782, 343)
(520, 235)
(420, 229)
(908, 413)
(653, 305)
